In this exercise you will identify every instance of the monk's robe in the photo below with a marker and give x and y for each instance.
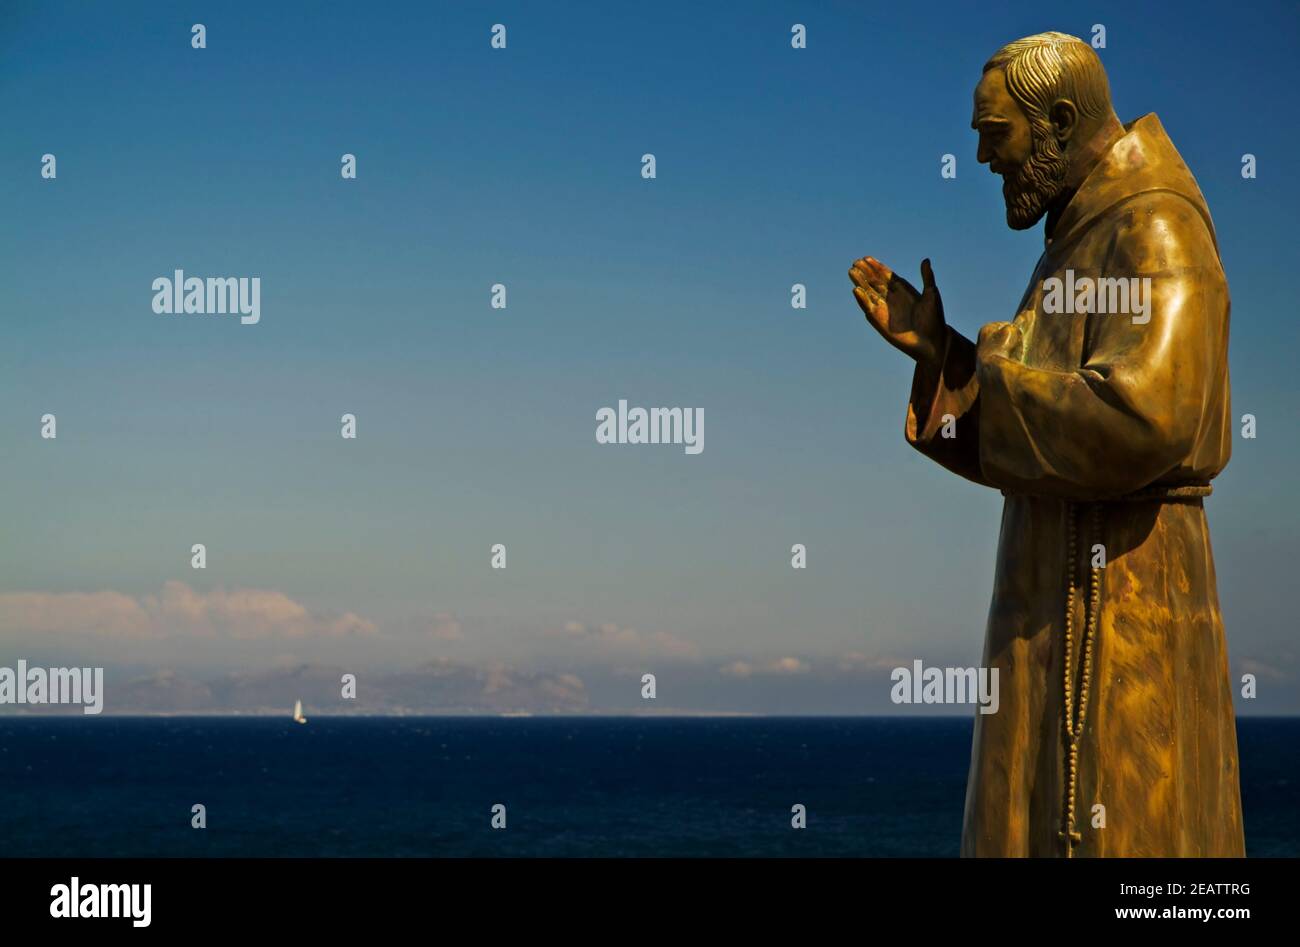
(1102, 431)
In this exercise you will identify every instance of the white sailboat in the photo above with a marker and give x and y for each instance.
(297, 712)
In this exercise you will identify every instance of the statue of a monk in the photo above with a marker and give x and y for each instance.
(1102, 418)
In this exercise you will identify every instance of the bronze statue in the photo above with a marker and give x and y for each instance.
(1101, 412)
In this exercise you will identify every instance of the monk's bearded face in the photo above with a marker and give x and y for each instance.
(1030, 188)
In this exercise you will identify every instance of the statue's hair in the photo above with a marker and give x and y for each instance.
(1045, 67)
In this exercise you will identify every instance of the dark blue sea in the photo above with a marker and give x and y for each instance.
(81, 787)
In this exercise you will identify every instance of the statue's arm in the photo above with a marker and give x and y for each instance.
(943, 410)
(1133, 411)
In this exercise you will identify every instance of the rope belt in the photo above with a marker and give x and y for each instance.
(1172, 493)
(1075, 711)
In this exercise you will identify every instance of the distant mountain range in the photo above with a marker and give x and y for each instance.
(439, 687)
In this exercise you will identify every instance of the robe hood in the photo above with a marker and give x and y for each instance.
(1143, 160)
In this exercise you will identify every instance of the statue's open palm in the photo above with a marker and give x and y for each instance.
(910, 321)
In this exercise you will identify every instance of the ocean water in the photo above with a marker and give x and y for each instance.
(79, 787)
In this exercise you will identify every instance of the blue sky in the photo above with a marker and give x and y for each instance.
(476, 426)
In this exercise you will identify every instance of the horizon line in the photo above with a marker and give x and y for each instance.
(529, 714)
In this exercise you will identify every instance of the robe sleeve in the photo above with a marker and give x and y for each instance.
(1134, 409)
(945, 402)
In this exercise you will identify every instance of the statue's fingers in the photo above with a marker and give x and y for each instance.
(927, 274)
(872, 276)
(861, 266)
(872, 305)
(861, 277)
(877, 268)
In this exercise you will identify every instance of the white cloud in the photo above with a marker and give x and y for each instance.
(1260, 669)
(777, 666)
(176, 611)
(610, 638)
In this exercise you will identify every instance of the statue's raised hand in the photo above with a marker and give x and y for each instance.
(910, 321)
